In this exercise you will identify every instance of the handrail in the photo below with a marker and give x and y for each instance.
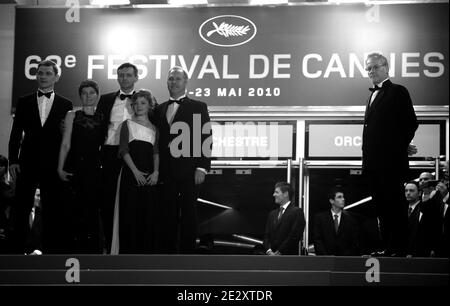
(288, 174)
(214, 204)
(358, 203)
(249, 239)
(307, 163)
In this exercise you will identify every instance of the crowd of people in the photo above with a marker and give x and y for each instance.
(120, 175)
(342, 232)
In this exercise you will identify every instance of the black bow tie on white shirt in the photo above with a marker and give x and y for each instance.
(47, 94)
(124, 96)
(373, 89)
(181, 101)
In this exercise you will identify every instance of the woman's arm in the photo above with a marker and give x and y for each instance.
(65, 146)
(123, 152)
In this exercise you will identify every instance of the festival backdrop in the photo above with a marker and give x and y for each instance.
(309, 55)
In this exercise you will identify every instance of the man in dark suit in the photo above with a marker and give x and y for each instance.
(114, 107)
(185, 145)
(419, 225)
(438, 205)
(336, 231)
(33, 152)
(285, 225)
(389, 127)
(442, 239)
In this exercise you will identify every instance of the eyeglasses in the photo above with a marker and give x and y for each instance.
(374, 67)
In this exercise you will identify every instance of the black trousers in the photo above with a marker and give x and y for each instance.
(179, 222)
(388, 194)
(111, 165)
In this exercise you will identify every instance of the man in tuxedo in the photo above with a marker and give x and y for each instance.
(336, 231)
(285, 225)
(389, 126)
(33, 152)
(185, 146)
(114, 108)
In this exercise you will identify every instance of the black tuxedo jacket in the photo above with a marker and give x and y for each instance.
(104, 107)
(343, 243)
(439, 225)
(192, 121)
(38, 149)
(284, 235)
(419, 231)
(389, 126)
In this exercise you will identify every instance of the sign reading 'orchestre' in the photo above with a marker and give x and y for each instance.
(242, 56)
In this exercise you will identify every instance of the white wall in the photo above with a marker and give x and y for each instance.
(7, 17)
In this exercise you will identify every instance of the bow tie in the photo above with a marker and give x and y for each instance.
(124, 96)
(373, 89)
(176, 101)
(47, 94)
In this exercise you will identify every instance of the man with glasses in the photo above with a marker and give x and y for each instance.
(389, 126)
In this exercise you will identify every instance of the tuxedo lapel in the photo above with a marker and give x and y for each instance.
(377, 100)
(181, 109)
(371, 106)
(34, 112)
(110, 102)
(53, 110)
(331, 224)
(164, 121)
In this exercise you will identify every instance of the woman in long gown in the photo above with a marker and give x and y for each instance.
(79, 168)
(137, 192)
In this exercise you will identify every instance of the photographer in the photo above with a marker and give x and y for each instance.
(426, 184)
(438, 205)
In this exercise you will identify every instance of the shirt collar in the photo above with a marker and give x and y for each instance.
(179, 98)
(124, 93)
(446, 197)
(381, 83)
(336, 213)
(285, 205)
(413, 206)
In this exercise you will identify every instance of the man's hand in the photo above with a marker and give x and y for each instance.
(14, 170)
(442, 188)
(199, 177)
(412, 149)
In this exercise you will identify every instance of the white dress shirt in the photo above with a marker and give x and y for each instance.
(120, 112)
(172, 109)
(339, 214)
(375, 93)
(45, 105)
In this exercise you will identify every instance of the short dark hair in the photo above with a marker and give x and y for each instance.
(3, 161)
(335, 190)
(414, 183)
(284, 187)
(181, 69)
(88, 83)
(128, 65)
(49, 63)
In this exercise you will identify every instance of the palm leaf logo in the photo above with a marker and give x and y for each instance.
(227, 30)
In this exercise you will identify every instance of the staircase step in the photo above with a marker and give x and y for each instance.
(225, 270)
